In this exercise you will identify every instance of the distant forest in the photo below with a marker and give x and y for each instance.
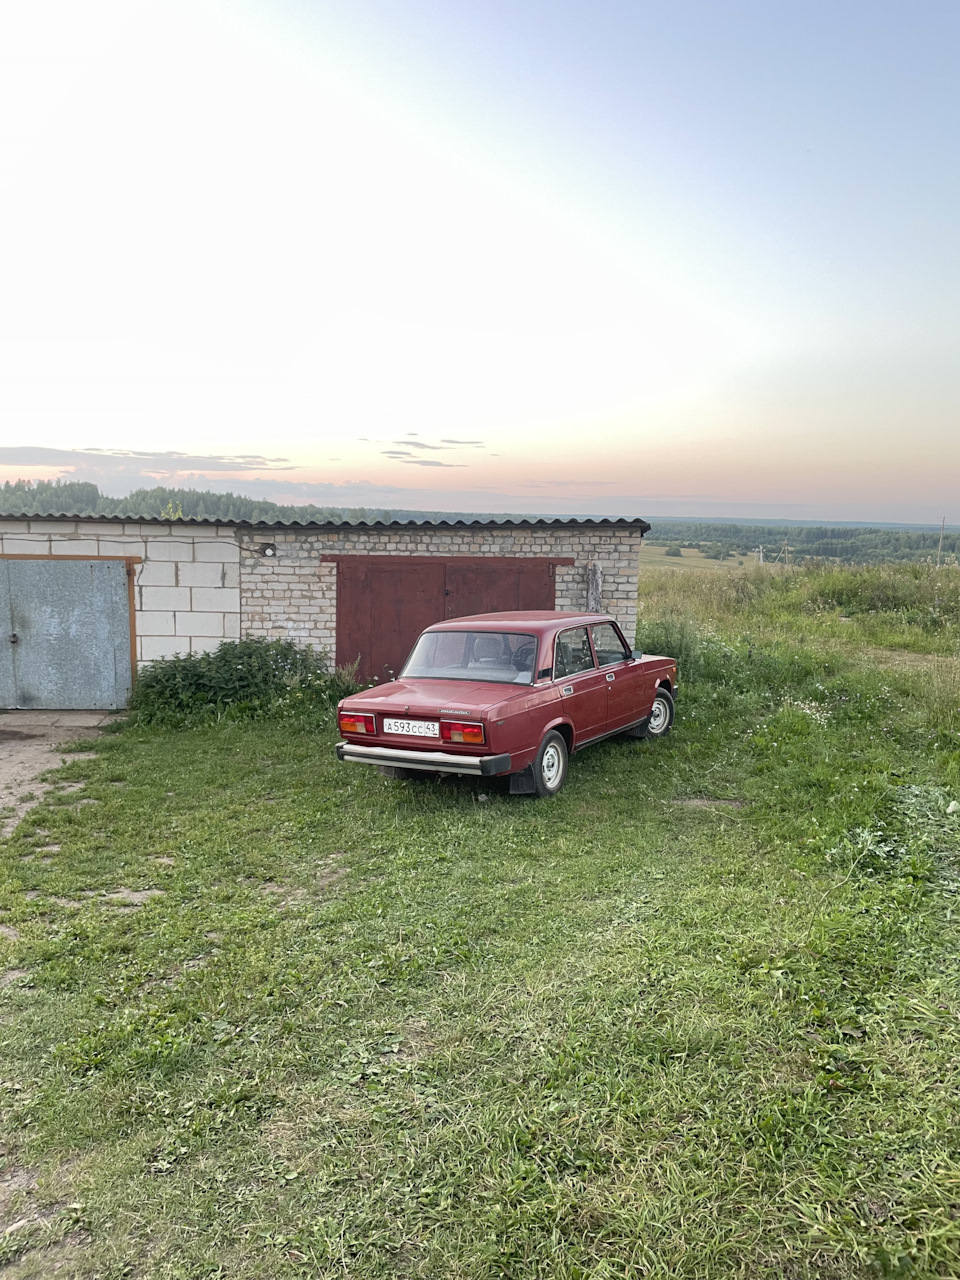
(847, 543)
(81, 498)
(850, 544)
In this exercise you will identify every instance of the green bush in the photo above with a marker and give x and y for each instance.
(240, 679)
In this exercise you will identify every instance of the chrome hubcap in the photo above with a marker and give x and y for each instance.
(552, 766)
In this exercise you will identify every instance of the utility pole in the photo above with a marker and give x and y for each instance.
(943, 521)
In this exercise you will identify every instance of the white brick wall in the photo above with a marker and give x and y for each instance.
(293, 594)
(186, 594)
(155, 622)
(197, 585)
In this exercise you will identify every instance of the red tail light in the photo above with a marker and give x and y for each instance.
(350, 722)
(461, 731)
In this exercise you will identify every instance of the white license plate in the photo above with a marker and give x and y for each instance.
(412, 728)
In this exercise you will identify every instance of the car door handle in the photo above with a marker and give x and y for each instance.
(611, 677)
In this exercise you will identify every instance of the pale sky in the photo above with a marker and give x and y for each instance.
(625, 257)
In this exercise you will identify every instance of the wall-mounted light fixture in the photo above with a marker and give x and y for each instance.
(267, 549)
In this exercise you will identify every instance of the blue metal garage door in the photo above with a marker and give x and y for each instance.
(66, 634)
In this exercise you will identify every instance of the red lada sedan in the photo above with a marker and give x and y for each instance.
(508, 694)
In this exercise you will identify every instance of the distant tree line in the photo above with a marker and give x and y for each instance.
(847, 543)
(82, 498)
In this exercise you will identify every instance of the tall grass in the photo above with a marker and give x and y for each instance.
(765, 635)
(908, 606)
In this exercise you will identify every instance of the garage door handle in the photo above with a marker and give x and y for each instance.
(14, 638)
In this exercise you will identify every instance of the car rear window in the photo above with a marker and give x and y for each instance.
(503, 657)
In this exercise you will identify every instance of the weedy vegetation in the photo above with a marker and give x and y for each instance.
(240, 680)
(266, 1015)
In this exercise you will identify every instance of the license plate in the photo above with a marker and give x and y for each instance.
(412, 728)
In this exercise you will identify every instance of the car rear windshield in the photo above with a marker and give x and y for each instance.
(502, 657)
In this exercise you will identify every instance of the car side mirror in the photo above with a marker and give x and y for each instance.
(637, 653)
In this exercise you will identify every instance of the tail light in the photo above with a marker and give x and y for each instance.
(350, 722)
(461, 731)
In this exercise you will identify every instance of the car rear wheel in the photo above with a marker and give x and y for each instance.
(550, 766)
(661, 715)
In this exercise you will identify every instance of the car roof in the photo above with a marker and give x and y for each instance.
(538, 621)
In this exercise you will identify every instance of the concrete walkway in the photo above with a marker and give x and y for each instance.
(28, 741)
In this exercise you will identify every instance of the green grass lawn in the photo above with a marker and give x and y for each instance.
(266, 1015)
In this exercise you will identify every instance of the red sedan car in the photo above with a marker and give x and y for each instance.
(508, 694)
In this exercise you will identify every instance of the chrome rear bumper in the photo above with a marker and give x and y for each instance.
(431, 761)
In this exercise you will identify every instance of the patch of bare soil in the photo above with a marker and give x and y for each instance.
(21, 1218)
(63, 1260)
(10, 976)
(28, 748)
(708, 802)
(13, 1181)
(132, 897)
(417, 1041)
(327, 876)
(38, 1240)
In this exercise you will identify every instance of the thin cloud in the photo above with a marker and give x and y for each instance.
(418, 444)
(430, 462)
(251, 459)
(135, 460)
(471, 442)
(562, 484)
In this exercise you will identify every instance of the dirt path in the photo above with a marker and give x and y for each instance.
(28, 742)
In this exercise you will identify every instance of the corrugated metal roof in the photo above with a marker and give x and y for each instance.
(518, 523)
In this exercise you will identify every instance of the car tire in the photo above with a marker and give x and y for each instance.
(550, 766)
(661, 716)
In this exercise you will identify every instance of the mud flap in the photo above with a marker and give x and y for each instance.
(522, 784)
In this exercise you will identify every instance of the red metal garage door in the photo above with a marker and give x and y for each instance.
(384, 602)
(487, 586)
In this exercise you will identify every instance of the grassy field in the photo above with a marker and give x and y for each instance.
(654, 557)
(265, 1015)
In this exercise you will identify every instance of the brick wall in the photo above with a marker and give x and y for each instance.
(292, 594)
(187, 588)
(198, 585)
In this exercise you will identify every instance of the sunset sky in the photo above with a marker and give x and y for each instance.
(619, 258)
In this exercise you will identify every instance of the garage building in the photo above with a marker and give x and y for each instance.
(89, 598)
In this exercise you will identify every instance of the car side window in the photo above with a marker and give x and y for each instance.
(573, 653)
(610, 648)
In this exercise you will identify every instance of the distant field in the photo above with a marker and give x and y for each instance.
(656, 557)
